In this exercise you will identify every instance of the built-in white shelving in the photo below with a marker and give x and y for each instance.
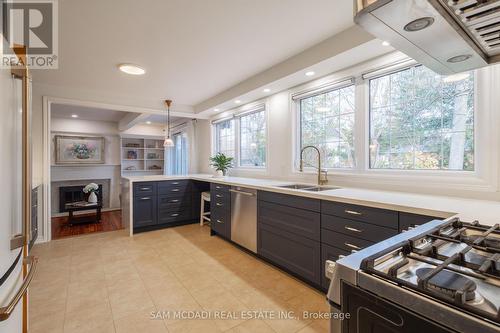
(142, 155)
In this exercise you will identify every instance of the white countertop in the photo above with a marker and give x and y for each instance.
(486, 212)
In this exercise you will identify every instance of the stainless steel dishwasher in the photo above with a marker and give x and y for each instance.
(244, 217)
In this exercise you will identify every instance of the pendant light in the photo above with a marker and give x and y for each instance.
(168, 142)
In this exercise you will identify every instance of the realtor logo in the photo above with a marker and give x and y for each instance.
(33, 25)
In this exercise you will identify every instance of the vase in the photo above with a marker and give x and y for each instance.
(219, 174)
(92, 198)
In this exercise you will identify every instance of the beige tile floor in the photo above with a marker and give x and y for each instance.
(109, 282)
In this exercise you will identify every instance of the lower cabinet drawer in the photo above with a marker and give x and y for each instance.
(329, 253)
(181, 213)
(382, 217)
(363, 230)
(166, 202)
(302, 222)
(220, 222)
(342, 241)
(297, 254)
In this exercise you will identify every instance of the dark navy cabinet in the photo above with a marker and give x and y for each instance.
(220, 210)
(166, 203)
(288, 234)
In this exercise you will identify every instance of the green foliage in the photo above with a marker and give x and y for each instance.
(221, 162)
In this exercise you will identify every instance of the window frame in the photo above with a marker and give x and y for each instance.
(486, 139)
(399, 68)
(236, 118)
(324, 89)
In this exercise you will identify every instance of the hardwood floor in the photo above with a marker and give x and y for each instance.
(110, 221)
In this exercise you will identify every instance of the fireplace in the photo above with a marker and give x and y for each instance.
(71, 190)
(69, 194)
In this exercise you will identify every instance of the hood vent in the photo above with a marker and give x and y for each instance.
(448, 36)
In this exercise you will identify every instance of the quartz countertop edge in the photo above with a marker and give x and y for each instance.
(468, 210)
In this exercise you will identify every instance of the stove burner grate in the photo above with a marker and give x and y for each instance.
(449, 283)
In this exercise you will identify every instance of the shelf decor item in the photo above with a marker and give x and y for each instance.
(221, 163)
(132, 155)
(91, 188)
(79, 150)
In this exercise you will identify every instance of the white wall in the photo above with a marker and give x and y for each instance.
(111, 167)
(281, 143)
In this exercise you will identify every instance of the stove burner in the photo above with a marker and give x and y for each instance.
(449, 283)
(487, 242)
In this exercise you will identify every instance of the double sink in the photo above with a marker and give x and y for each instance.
(310, 188)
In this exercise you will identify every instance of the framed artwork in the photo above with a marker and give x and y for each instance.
(79, 149)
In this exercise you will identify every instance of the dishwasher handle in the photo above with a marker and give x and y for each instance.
(241, 192)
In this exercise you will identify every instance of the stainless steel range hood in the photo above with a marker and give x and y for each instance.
(448, 36)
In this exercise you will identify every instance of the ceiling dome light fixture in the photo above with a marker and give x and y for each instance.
(419, 24)
(310, 73)
(74, 116)
(386, 43)
(131, 69)
(168, 141)
(459, 58)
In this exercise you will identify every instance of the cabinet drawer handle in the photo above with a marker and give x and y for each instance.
(175, 200)
(341, 256)
(146, 198)
(145, 188)
(218, 187)
(218, 204)
(174, 215)
(175, 183)
(352, 212)
(352, 246)
(175, 190)
(219, 221)
(352, 229)
(218, 196)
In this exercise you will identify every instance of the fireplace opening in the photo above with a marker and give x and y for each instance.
(70, 194)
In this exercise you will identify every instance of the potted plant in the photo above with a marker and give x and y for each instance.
(221, 163)
(91, 188)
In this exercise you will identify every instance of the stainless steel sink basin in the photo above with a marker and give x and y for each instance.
(311, 188)
(321, 188)
(295, 186)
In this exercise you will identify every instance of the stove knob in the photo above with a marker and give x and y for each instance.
(329, 269)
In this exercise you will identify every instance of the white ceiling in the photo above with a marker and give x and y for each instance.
(86, 113)
(191, 50)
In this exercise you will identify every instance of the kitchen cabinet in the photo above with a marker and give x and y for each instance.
(407, 220)
(220, 210)
(382, 217)
(145, 213)
(288, 234)
(296, 254)
(166, 203)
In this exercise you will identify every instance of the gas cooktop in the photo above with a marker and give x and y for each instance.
(457, 263)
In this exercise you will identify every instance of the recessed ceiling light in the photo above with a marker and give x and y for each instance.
(419, 24)
(266, 90)
(386, 43)
(148, 122)
(131, 69)
(216, 109)
(456, 77)
(74, 116)
(310, 73)
(459, 58)
(237, 101)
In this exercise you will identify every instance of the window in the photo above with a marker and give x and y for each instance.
(253, 139)
(327, 122)
(225, 138)
(244, 138)
(179, 154)
(423, 121)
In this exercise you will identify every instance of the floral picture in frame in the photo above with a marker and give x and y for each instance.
(79, 149)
